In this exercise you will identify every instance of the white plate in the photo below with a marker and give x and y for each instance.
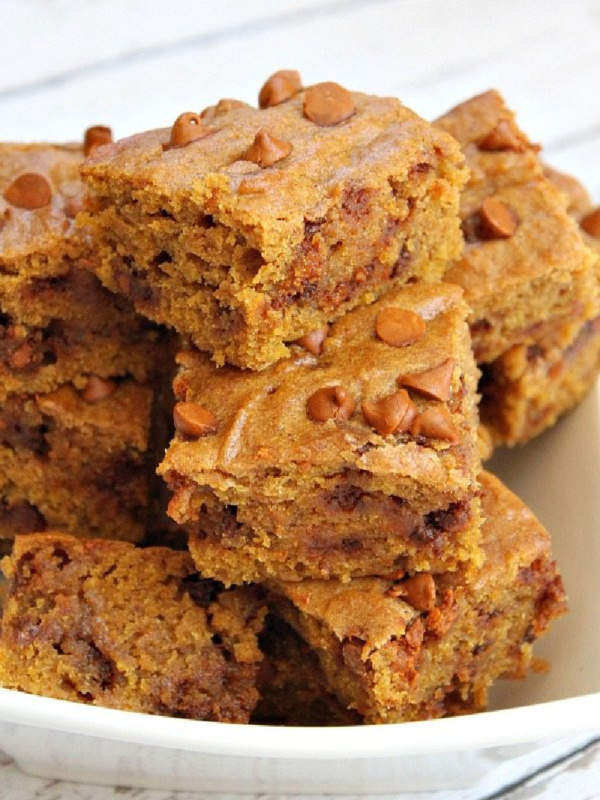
(530, 723)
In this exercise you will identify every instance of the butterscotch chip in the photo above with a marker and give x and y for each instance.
(313, 341)
(193, 420)
(224, 105)
(498, 221)
(266, 149)
(399, 326)
(281, 86)
(503, 137)
(94, 137)
(328, 104)
(29, 191)
(97, 389)
(435, 423)
(418, 591)
(330, 402)
(187, 128)
(434, 383)
(591, 222)
(391, 414)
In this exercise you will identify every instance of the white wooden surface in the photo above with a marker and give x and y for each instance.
(133, 64)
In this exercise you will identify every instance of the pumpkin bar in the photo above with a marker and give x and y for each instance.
(526, 389)
(57, 323)
(77, 459)
(107, 624)
(525, 268)
(355, 456)
(247, 228)
(424, 646)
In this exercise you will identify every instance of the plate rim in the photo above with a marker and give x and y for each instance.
(523, 724)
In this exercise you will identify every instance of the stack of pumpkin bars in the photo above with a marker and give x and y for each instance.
(362, 305)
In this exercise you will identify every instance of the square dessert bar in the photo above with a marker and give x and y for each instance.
(356, 456)
(57, 322)
(525, 267)
(77, 460)
(108, 624)
(246, 228)
(426, 646)
(526, 389)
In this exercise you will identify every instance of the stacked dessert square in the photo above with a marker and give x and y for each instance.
(75, 362)
(326, 460)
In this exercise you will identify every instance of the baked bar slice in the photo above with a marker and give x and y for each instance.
(353, 457)
(104, 623)
(78, 459)
(426, 646)
(249, 228)
(57, 323)
(526, 389)
(525, 266)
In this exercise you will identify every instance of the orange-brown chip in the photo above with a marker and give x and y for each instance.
(435, 423)
(498, 221)
(313, 341)
(418, 591)
(505, 136)
(433, 383)
(391, 414)
(591, 222)
(188, 127)
(330, 402)
(29, 191)
(193, 420)
(266, 149)
(328, 104)
(97, 389)
(399, 326)
(94, 137)
(279, 87)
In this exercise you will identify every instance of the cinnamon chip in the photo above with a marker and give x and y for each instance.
(433, 383)
(313, 341)
(193, 420)
(391, 414)
(498, 221)
(435, 423)
(503, 137)
(281, 86)
(29, 191)
(591, 222)
(328, 104)
(94, 137)
(399, 326)
(418, 591)
(97, 389)
(188, 127)
(266, 149)
(330, 402)
(210, 113)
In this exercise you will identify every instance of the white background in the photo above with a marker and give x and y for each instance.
(68, 64)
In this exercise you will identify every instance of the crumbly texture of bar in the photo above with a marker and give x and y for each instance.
(245, 259)
(274, 492)
(541, 271)
(108, 624)
(291, 684)
(529, 387)
(75, 464)
(391, 662)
